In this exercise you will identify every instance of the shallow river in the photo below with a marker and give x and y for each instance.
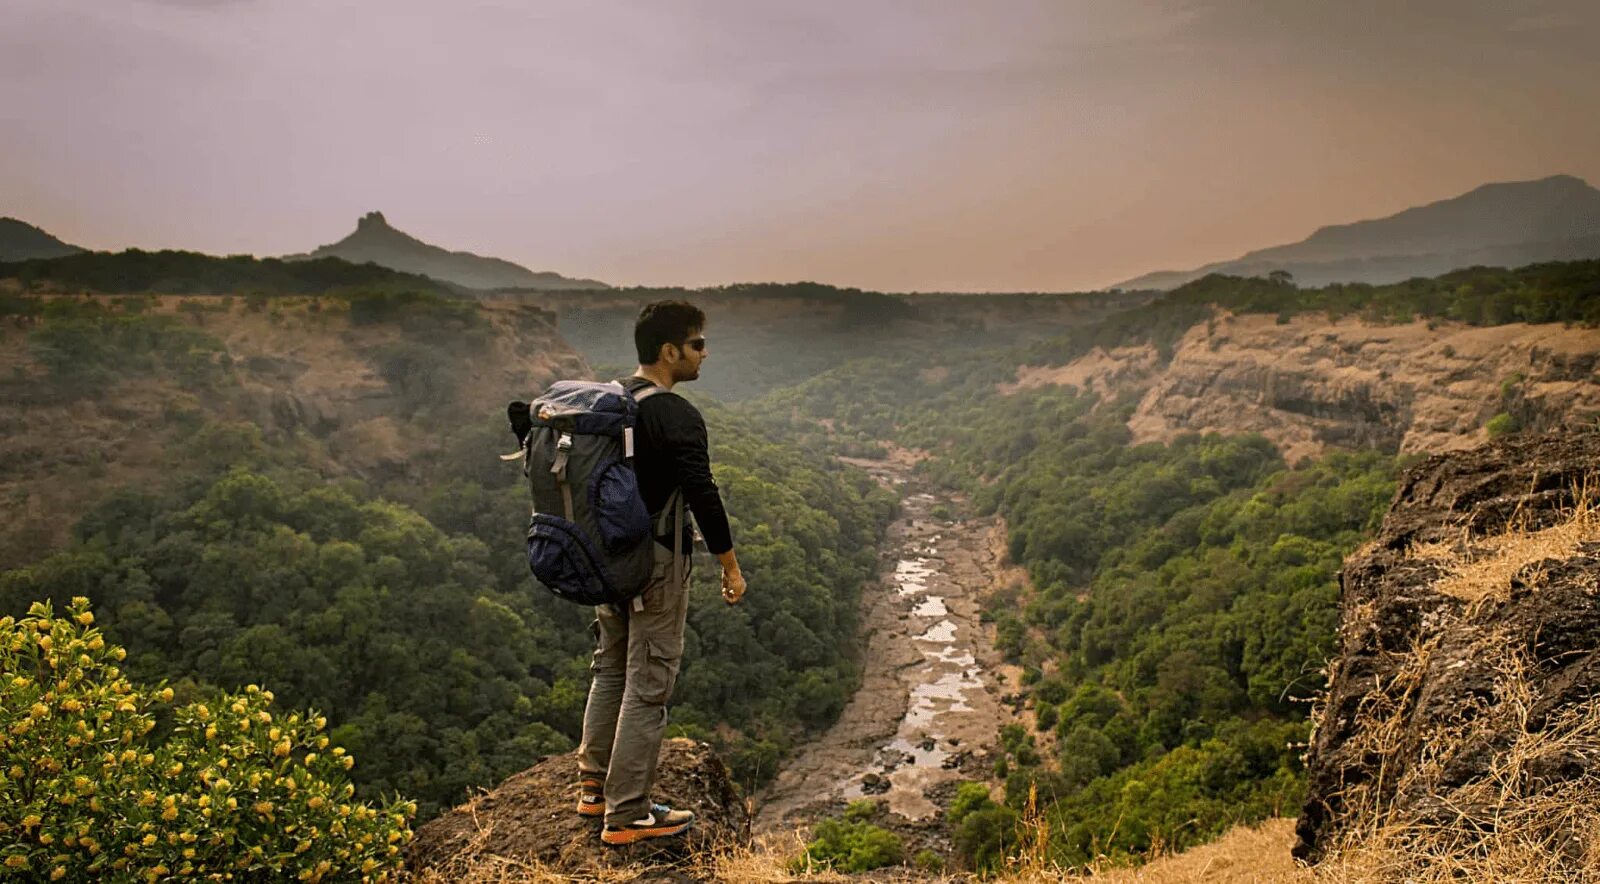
(928, 712)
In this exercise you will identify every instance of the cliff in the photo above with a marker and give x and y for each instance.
(1309, 384)
(1462, 724)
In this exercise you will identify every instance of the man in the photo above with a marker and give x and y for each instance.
(637, 651)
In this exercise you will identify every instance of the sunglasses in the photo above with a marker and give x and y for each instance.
(698, 344)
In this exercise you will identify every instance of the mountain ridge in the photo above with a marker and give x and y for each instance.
(375, 241)
(1497, 224)
(20, 241)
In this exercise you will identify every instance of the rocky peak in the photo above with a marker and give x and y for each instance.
(372, 221)
(530, 820)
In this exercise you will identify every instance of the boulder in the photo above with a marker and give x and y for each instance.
(1464, 693)
(530, 819)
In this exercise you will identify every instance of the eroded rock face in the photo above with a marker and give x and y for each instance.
(1468, 628)
(1309, 384)
(530, 818)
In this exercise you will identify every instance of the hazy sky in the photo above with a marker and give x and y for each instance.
(891, 144)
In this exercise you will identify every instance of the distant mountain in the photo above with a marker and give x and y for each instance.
(374, 240)
(20, 241)
(1507, 225)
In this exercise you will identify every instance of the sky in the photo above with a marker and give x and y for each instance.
(898, 145)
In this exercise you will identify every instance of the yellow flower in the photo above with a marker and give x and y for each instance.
(201, 712)
(315, 803)
(264, 717)
(38, 710)
(165, 695)
(338, 750)
(46, 838)
(281, 749)
(44, 642)
(96, 643)
(262, 807)
(211, 732)
(57, 873)
(16, 861)
(349, 762)
(31, 820)
(120, 653)
(175, 769)
(170, 814)
(148, 840)
(85, 618)
(310, 757)
(80, 601)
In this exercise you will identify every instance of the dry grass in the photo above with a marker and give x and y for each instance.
(1482, 569)
(1516, 822)
(1510, 825)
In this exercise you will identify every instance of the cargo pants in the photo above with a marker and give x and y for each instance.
(635, 665)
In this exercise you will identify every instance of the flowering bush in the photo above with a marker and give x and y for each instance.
(89, 792)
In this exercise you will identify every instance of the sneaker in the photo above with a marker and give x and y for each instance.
(591, 796)
(661, 822)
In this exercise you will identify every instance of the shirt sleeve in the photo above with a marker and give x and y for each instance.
(686, 438)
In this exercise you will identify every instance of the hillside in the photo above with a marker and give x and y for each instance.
(1311, 385)
(374, 240)
(20, 241)
(1499, 225)
(338, 381)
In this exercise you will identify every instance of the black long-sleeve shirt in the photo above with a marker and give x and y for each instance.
(670, 452)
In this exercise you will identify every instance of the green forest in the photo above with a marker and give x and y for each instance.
(1180, 608)
(405, 614)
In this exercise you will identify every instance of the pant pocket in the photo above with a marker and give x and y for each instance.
(662, 659)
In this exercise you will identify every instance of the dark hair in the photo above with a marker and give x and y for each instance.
(665, 322)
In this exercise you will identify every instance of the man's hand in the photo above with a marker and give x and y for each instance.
(733, 585)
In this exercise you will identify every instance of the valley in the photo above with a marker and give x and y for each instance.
(928, 710)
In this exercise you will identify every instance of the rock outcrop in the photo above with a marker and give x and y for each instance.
(1310, 384)
(1465, 698)
(529, 820)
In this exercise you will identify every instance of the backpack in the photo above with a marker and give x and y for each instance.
(590, 538)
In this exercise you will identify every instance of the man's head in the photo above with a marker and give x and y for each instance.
(668, 336)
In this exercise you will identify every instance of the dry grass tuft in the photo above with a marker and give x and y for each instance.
(1513, 824)
(1483, 569)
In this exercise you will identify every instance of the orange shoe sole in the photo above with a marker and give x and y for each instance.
(586, 808)
(631, 836)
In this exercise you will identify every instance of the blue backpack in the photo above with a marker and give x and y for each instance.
(590, 539)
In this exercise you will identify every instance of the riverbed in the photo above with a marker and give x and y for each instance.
(928, 711)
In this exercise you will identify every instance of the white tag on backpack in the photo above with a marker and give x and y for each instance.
(627, 441)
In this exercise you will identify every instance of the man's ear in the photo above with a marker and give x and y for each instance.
(669, 353)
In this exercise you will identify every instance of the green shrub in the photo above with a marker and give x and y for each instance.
(852, 844)
(92, 789)
(1502, 424)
